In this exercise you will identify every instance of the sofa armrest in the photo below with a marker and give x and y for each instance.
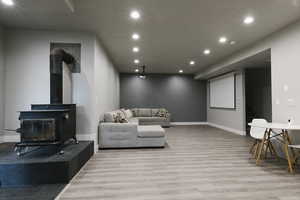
(117, 135)
(118, 127)
(168, 116)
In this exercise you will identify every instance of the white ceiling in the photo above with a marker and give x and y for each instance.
(172, 31)
(259, 60)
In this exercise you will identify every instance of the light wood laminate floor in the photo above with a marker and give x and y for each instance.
(199, 162)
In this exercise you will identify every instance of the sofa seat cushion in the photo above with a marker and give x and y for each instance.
(152, 119)
(134, 120)
(121, 136)
(150, 131)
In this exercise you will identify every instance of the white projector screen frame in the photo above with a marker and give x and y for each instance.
(222, 92)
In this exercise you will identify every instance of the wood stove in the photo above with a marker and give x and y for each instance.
(54, 123)
(47, 124)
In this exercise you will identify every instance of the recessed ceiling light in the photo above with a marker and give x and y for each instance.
(206, 51)
(248, 20)
(135, 14)
(232, 42)
(136, 61)
(136, 70)
(135, 36)
(180, 71)
(223, 39)
(8, 2)
(192, 62)
(135, 49)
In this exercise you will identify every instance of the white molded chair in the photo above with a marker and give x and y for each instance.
(258, 134)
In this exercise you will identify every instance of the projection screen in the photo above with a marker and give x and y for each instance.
(222, 91)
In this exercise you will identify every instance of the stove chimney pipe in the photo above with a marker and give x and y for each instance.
(57, 57)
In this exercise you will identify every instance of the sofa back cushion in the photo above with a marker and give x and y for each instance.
(109, 116)
(160, 112)
(154, 112)
(128, 114)
(144, 112)
(115, 116)
(134, 112)
(120, 118)
(121, 113)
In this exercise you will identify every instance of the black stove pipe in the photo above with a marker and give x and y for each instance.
(57, 57)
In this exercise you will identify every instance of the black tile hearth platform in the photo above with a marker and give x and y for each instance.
(42, 166)
(39, 192)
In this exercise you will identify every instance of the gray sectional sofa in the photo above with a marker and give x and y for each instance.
(138, 127)
(154, 116)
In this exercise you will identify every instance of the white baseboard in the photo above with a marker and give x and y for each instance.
(232, 130)
(85, 137)
(188, 123)
(10, 137)
(89, 137)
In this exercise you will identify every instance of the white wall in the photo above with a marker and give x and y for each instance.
(28, 78)
(285, 61)
(1, 82)
(107, 83)
(229, 119)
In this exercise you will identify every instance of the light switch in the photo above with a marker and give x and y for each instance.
(277, 102)
(291, 102)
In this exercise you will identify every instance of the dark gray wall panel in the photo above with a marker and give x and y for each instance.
(258, 93)
(184, 97)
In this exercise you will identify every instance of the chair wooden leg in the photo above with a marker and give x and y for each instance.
(258, 153)
(274, 150)
(296, 160)
(266, 151)
(256, 149)
(268, 148)
(261, 148)
(290, 142)
(291, 168)
(253, 146)
(286, 149)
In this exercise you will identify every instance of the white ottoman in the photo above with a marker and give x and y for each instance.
(151, 136)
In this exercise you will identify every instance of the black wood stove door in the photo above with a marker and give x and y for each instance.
(38, 130)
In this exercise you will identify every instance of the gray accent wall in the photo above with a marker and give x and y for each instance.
(182, 95)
